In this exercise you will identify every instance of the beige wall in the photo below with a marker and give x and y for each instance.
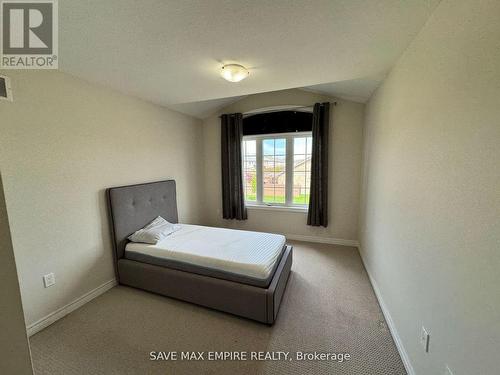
(430, 227)
(63, 141)
(14, 348)
(345, 165)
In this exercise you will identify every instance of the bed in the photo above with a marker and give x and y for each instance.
(239, 272)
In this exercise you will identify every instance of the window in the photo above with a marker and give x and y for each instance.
(277, 169)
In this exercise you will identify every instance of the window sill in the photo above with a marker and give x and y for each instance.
(302, 210)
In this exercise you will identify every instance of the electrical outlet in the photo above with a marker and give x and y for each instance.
(49, 280)
(425, 339)
(447, 371)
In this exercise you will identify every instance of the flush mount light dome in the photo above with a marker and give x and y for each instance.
(234, 72)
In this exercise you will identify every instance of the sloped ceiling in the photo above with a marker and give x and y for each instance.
(357, 90)
(170, 52)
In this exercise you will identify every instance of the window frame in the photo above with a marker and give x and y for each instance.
(289, 172)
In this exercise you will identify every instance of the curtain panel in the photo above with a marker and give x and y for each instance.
(233, 200)
(318, 201)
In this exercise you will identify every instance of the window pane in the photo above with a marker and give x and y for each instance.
(268, 147)
(250, 184)
(307, 163)
(299, 146)
(251, 148)
(279, 164)
(250, 163)
(301, 170)
(299, 182)
(280, 146)
(274, 170)
(250, 170)
(268, 187)
(309, 145)
(279, 194)
(268, 164)
(299, 163)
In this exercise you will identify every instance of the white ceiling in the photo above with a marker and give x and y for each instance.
(170, 51)
(357, 90)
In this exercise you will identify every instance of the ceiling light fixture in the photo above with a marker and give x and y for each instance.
(234, 72)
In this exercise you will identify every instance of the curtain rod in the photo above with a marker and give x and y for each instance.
(278, 109)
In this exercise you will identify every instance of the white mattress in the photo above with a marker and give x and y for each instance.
(251, 254)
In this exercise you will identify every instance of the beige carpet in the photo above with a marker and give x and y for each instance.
(329, 306)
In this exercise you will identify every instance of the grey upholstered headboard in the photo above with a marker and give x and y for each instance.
(132, 207)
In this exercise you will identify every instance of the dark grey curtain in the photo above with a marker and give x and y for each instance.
(318, 201)
(233, 201)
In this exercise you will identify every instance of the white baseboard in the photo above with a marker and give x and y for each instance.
(390, 323)
(72, 306)
(333, 241)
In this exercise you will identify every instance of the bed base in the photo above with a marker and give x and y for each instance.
(260, 304)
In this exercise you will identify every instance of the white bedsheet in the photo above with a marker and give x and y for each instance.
(252, 254)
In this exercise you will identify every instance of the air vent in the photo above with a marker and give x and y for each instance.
(5, 90)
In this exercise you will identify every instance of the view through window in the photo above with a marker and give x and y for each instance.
(301, 169)
(277, 169)
(274, 170)
(250, 170)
